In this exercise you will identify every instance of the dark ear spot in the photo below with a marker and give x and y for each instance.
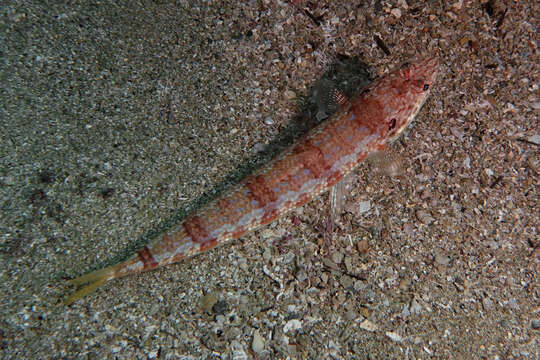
(392, 124)
(426, 87)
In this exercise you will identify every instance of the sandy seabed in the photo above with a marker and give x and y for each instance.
(119, 118)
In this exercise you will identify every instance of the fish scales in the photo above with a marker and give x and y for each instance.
(312, 165)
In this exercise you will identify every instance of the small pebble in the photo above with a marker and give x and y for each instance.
(337, 257)
(347, 282)
(442, 259)
(394, 336)
(536, 105)
(267, 254)
(268, 120)
(368, 325)
(220, 307)
(535, 139)
(292, 325)
(330, 264)
(324, 278)
(457, 5)
(288, 257)
(258, 147)
(207, 302)
(406, 312)
(301, 275)
(351, 315)
(242, 263)
(268, 233)
(488, 303)
(220, 320)
(396, 13)
(362, 246)
(424, 217)
(364, 206)
(404, 284)
(365, 312)
(237, 350)
(349, 264)
(257, 344)
(408, 229)
(290, 94)
(321, 115)
(416, 308)
(359, 285)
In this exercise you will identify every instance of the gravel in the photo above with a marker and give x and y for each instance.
(120, 118)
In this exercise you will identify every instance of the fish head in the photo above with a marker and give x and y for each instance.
(402, 94)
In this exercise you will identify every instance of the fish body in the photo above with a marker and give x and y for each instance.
(312, 165)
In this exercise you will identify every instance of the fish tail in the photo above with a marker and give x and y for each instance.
(89, 283)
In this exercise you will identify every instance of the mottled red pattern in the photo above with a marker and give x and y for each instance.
(208, 245)
(238, 232)
(312, 158)
(196, 230)
(259, 191)
(269, 216)
(319, 160)
(147, 259)
(302, 199)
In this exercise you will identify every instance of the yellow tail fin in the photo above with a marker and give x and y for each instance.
(90, 282)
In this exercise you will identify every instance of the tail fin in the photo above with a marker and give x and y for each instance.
(89, 282)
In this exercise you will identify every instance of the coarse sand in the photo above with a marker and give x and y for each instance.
(118, 118)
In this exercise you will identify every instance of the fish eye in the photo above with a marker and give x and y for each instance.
(392, 124)
(426, 87)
